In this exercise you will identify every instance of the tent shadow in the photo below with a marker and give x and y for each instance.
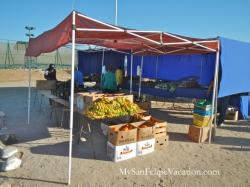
(36, 180)
(179, 137)
(242, 148)
(84, 150)
(233, 141)
(236, 128)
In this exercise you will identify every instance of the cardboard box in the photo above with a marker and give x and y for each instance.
(117, 137)
(121, 152)
(145, 147)
(106, 124)
(161, 141)
(86, 99)
(145, 133)
(81, 101)
(126, 96)
(45, 84)
(198, 134)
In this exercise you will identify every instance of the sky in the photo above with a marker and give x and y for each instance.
(193, 18)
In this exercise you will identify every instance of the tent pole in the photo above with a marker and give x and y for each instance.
(131, 73)
(156, 67)
(214, 99)
(102, 64)
(139, 94)
(29, 91)
(72, 95)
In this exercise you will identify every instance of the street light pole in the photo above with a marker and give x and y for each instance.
(116, 12)
(29, 29)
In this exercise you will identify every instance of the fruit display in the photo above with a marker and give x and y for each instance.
(105, 108)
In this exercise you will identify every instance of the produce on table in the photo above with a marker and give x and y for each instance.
(105, 108)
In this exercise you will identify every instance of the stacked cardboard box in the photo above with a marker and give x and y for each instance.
(121, 145)
(146, 136)
(145, 139)
(160, 133)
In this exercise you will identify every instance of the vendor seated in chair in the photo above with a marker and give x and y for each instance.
(109, 81)
(50, 72)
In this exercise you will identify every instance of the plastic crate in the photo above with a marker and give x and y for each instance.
(202, 112)
(201, 121)
(203, 105)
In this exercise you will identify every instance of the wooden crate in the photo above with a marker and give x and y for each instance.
(160, 126)
(198, 134)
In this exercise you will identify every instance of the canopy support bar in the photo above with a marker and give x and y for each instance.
(29, 59)
(71, 98)
(103, 50)
(131, 73)
(139, 94)
(214, 99)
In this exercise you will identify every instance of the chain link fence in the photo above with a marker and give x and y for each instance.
(12, 55)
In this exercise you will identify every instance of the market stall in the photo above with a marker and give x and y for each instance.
(78, 28)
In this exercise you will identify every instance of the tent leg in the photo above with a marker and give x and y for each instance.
(139, 94)
(72, 97)
(156, 67)
(29, 93)
(102, 64)
(214, 100)
(131, 73)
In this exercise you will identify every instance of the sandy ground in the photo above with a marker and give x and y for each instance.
(45, 148)
(20, 77)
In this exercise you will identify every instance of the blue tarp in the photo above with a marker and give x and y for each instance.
(235, 64)
(176, 67)
(91, 62)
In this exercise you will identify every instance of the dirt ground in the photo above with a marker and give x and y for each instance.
(20, 77)
(45, 148)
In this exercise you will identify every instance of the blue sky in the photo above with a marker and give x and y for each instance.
(194, 18)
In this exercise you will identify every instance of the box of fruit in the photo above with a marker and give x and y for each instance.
(122, 134)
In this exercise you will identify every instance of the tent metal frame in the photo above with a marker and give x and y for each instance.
(151, 48)
(133, 32)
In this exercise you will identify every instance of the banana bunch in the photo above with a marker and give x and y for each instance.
(105, 108)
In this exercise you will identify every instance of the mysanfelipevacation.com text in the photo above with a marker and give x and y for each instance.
(169, 172)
